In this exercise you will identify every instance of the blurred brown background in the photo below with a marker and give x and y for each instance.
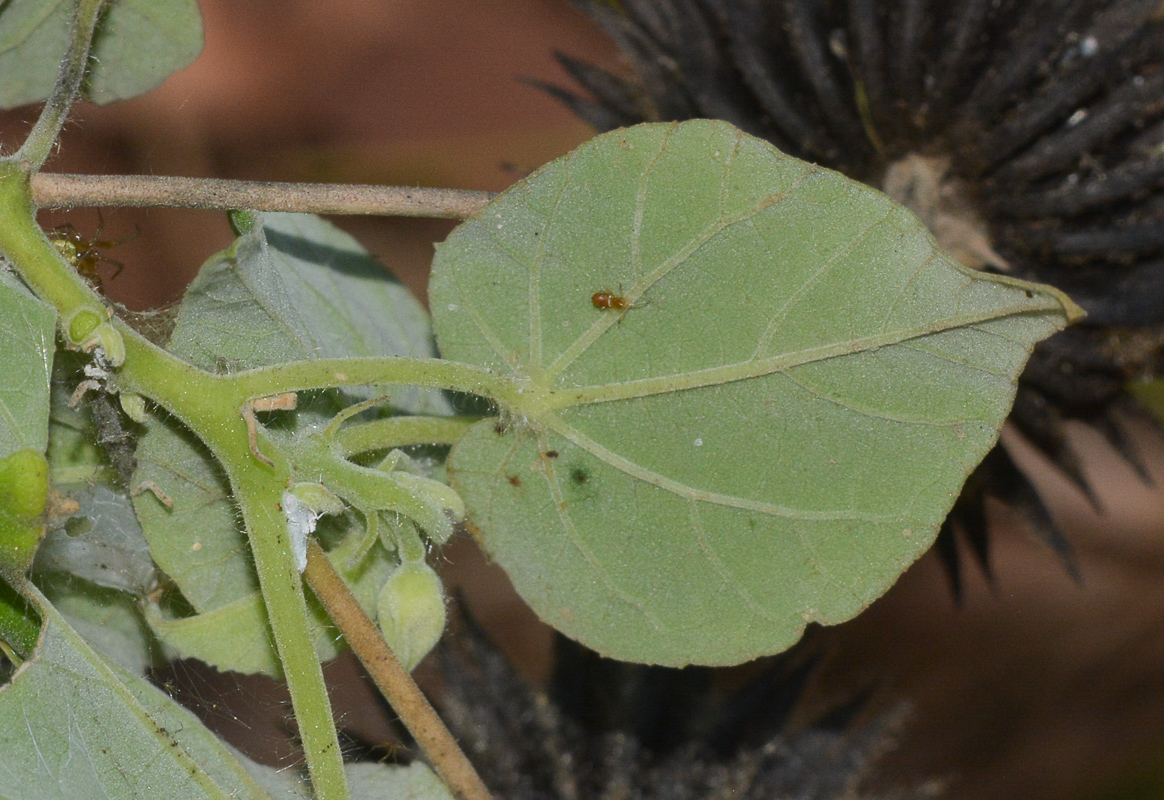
(1036, 687)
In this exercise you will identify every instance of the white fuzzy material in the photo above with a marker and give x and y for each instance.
(300, 523)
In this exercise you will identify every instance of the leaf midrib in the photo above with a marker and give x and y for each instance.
(557, 399)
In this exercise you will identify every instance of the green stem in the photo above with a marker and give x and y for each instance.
(208, 405)
(335, 373)
(259, 493)
(39, 145)
(24, 244)
(384, 434)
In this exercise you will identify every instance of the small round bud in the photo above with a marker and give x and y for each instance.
(83, 323)
(412, 612)
(134, 406)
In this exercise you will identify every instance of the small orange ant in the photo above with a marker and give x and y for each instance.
(85, 254)
(609, 301)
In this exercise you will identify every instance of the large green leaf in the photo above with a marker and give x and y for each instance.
(138, 44)
(294, 287)
(76, 727)
(770, 431)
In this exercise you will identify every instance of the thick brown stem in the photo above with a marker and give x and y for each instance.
(438, 744)
(62, 191)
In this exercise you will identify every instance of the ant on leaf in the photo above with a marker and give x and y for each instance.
(85, 254)
(607, 300)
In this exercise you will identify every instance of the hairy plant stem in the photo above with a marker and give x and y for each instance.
(393, 681)
(40, 142)
(383, 434)
(60, 191)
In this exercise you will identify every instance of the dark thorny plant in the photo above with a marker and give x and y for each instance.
(1027, 134)
(613, 731)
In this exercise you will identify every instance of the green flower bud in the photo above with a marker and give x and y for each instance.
(241, 222)
(83, 323)
(318, 498)
(134, 406)
(412, 612)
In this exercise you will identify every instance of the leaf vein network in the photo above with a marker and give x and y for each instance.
(559, 499)
(753, 368)
(680, 489)
(870, 413)
(830, 262)
(735, 585)
(606, 321)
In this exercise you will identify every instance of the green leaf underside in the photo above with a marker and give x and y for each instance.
(294, 288)
(138, 45)
(109, 621)
(76, 727)
(102, 544)
(27, 331)
(236, 636)
(770, 433)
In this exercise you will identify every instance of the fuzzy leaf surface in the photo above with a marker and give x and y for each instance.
(102, 544)
(294, 288)
(138, 44)
(76, 727)
(770, 431)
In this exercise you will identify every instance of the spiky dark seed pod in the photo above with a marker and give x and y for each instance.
(665, 735)
(1027, 134)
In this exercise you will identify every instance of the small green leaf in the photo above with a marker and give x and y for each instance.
(27, 331)
(138, 44)
(196, 540)
(766, 428)
(101, 543)
(110, 621)
(235, 636)
(19, 622)
(91, 730)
